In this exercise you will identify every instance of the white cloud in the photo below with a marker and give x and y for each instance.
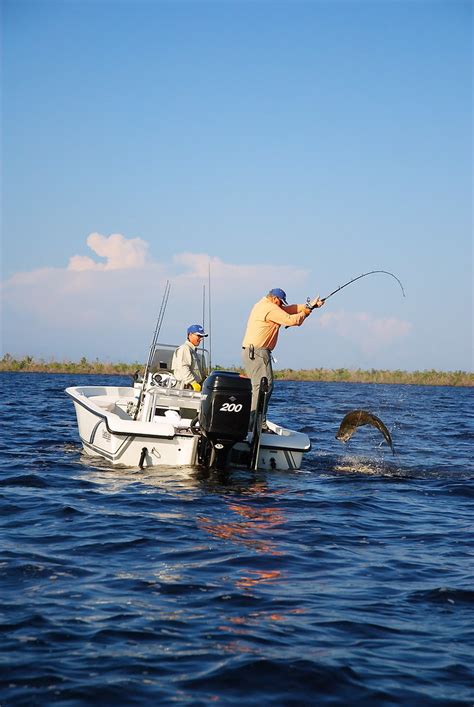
(108, 309)
(367, 331)
(119, 252)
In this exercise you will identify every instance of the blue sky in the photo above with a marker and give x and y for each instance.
(275, 144)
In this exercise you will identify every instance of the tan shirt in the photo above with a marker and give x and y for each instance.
(186, 365)
(265, 320)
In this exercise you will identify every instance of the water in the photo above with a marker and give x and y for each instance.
(349, 582)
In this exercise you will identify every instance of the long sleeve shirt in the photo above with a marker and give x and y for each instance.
(265, 321)
(186, 365)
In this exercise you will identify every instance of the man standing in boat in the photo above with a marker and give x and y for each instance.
(261, 336)
(186, 364)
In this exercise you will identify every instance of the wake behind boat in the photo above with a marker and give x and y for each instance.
(154, 423)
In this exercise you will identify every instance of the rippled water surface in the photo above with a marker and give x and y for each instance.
(349, 582)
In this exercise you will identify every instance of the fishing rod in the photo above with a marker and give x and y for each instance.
(323, 299)
(372, 272)
(159, 322)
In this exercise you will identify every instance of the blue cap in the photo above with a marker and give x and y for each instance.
(281, 294)
(196, 329)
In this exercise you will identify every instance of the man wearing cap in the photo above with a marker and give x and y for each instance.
(261, 336)
(185, 363)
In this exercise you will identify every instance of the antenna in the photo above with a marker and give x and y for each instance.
(204, 307)
(203, 322)
(210, 326)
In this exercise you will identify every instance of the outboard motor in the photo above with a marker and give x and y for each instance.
(224, 416)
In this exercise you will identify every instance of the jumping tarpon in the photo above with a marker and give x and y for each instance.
(357, 418)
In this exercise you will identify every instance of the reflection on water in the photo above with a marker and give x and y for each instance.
(118, 478)
(237, 532)
(258, 577)
(253, 531)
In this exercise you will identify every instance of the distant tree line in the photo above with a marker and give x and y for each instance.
(28, 364)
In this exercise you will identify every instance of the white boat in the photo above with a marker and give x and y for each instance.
(154, 423)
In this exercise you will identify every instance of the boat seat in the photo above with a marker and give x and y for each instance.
(104, 402)
(120, 412)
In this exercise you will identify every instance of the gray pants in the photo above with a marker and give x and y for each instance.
(256, 368)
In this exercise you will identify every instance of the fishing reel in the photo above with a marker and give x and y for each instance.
(311, 306)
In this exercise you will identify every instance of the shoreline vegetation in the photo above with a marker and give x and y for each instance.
(326, 375)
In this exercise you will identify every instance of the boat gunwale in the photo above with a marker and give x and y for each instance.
(104, 415)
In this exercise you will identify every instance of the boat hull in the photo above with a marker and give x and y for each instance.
(134, 451)
(108, 430)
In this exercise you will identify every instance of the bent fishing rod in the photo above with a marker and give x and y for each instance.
(372, 272)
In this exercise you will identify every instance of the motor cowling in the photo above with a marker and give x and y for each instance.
(224, 415)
